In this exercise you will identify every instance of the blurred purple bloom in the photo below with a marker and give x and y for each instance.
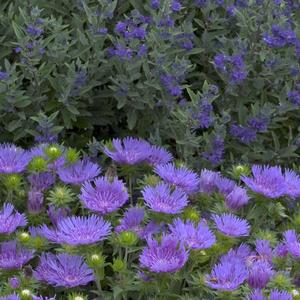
(14, 256)
(10, 297)
(43, 298)
(168, 256)
(63, 270)
(14, 282)
(41, 181)
(158, 155)
(281, 250)
(292, 183)
(259, 123)
(35, 201)
(4, 76)
(225, 186)
(79, 172)
(215, 155)
(294, 97)
(260, 273)
(13, 159)
(77, 230)
(155, 4)
(181, 177)
(280, 295)
(292, 243)
(268, 181)
(280, 37)
(56, 214)
(264, 250)
(10, 219)
(176, 6)
(256, 295)
(105, 196)
(161, 198)
(171, 84)
(231, 225)
(34, 31)
(245, 134)
(193, 236)
(207, 181)
(237, 198)
(128, 151)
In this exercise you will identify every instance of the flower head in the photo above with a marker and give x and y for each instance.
(161, 198)
(158, 155)
(63, 270)
(129, 151)
(207, 181)
(13, 159)
(267, 181)
(256, 295)
(280, 295)
(56, 214)
(10, 220)
(224, 185)
(10, 297)
(260, 273)
(237, 198)
(78, 230)
(105, 196)
(292, 243)
(165, 257)
(292, 183)
(79, 172)
(13, 256)
(41, 181)
(181, 177)
(231, 225)
(193, 236)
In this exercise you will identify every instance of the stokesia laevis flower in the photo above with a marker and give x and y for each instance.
(181, 177)
(292, 183)
(79, 172)
(55, 214)
(14, 256)
(280, 295)
(129, 151)
(104, 196)
(158, 155)
(237, 198)
(207, 181)
(13, 159)
(10, 297)
(224, 185)
(260, 273)
(231, 225)
(44, 298)
(77, 230)
(168, 256)
(267, 181)
(41, 181)
(292, 243)
(63, 270)
(35, 201)
(193, 236)
(256, 295)
(10, 220)
(161, 198)
(228, 274)
(264, 250)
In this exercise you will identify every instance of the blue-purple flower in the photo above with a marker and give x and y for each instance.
(292, 183)
(224, 185)
(41, 181)
(231, 225)
(104, 196)
(267, 181)
(158, 155)
(237, 198)
(207, 181)
(10, 219)
(181, 177)
(280, 295)
(256, 295)
(161, 198)
(292, 243)
(76, 230)
(10, 297)
(35, 201)
(166, 257)
(129, 151)
(193, 236)
(79, 172)
(14, 256)
(260, 273)
(13, 159)
(63, 270)
(56, 214)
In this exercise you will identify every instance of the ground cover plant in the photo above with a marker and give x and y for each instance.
(133, 223)
(196, 75)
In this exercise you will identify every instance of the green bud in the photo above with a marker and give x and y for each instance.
(192, 214)
(127, 238)
(38, 242)
(53, 152)
(151, 180)
(281, 282)
(118, 265)
(23, 237)
(38, 164)
(26, 294)
(12, 181)
(61, 196)
(296, 294)
(96, 260)
(267, 235)
(240, 170)
(72, 155)
(76, 296)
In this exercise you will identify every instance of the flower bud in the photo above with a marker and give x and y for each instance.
(239, 170)
(151, 180)
(26, 294)
(76, 296)
(23, 237)
(127, 238)
(72, 155)
(14, 282)
(53, 152)
(191, 213)
(12, 181)
(96, 260)
(119, 265)
(38, 164)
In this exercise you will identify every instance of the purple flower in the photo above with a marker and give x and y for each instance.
(231, 225)
(128, 151)
(268, 181)
(57, 214)
(237, 198)
(264, 250)
(193, 236)
(176, 6)
(280, 37)
(14, 282)
(35, 201)
(259, 123)
(225, 186)
(158, 155)
(41, 181)
(294, 97)
(292, 243)
(105, 196)
(10, 297)
(207, 181)
(13, 159)
(155, 4)
(260, 273)
(79, 172)
(245, 134)
(280, 295)
(168, 256)
(281, 250)
(10, 220)
(171, 84)
(34, 31)
(76, 230)
(217, 152)
(292, 183)
(13, 256)
(161, 198)
(43, 298)
(63, 270)
(256, 295)
(181, 177)
(4, 76)
(228, 274)
(132, 220)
